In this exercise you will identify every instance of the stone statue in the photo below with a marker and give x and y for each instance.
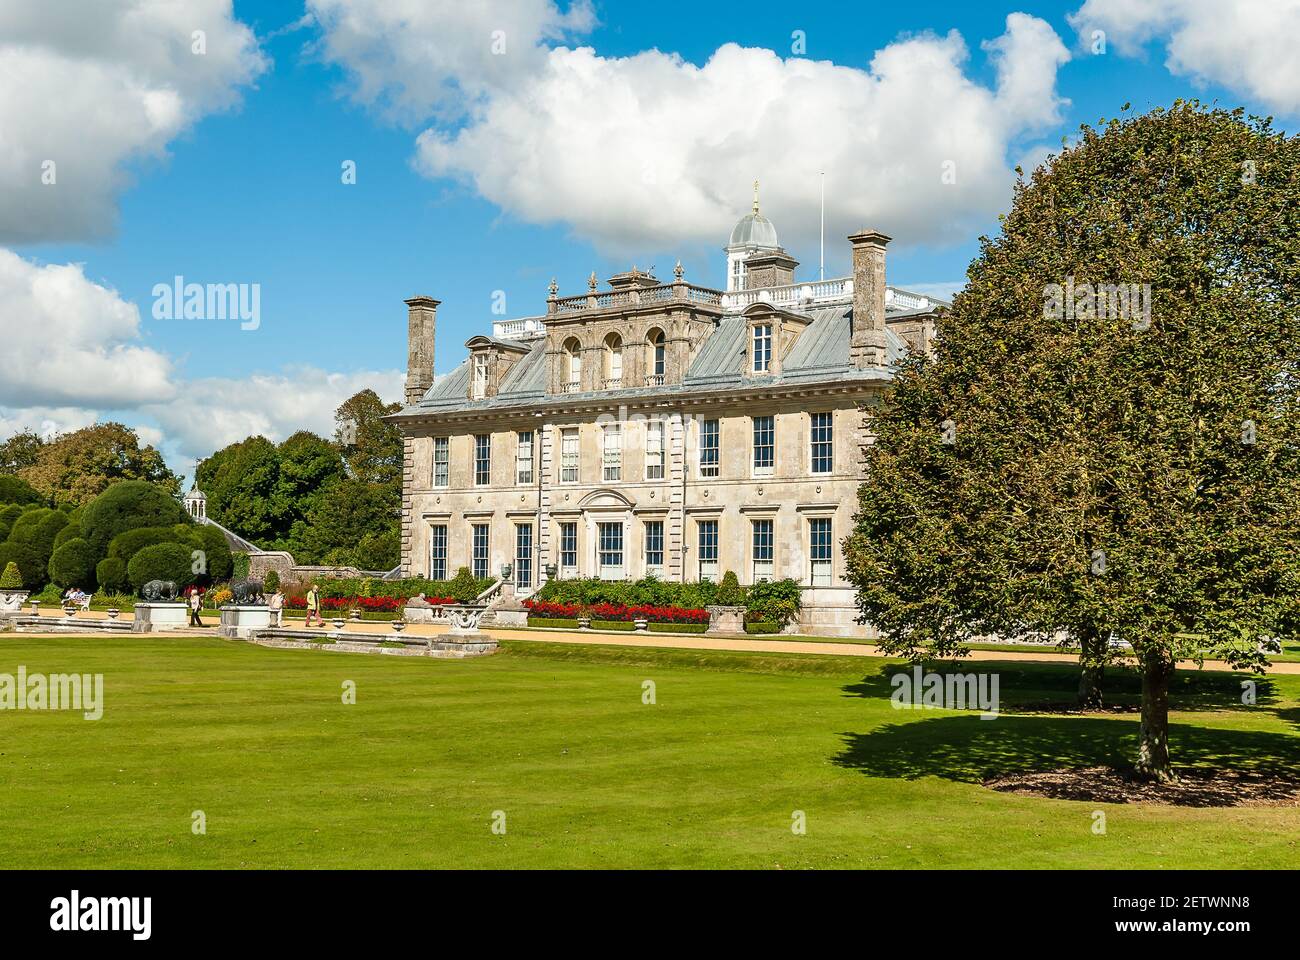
(247, 592)
(159, 591)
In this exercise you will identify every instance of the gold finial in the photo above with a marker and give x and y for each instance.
(755, 198)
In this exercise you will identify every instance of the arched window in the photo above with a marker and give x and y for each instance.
(613, 362)
(659, 360)
(572, 381)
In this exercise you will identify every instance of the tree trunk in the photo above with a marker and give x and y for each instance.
(1092, 664)
(1153, 746)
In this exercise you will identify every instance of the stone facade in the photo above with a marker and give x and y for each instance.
(659, 429)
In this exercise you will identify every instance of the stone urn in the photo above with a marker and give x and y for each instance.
(338, 623)
(11, 602)
(584, 623)
(724, 618)
(354, 614)
(641, 624)
(398, 626)
(113, 613)
(69, 611)
(36, 608)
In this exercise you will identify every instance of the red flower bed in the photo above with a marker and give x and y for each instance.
(367, 604)
(616, 612)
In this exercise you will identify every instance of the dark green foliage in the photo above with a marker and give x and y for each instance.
(11, 579)
(220, 561)
(110, 574)
(73, 564)
(15, 490)
(1095, 474)
(239, 566)
(8, 517)
(730, 593)
(162, 561)
(126, 545)
(381, 550)
(464, 586)
(30, 564)
(271, 581)
(776, 601)
(127, 505)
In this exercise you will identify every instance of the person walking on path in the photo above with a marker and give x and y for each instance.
(313, 606)
(196, 603)
(277, 608)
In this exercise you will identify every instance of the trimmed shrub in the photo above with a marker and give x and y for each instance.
(162, 561)
(552, 622)
(8, 517)
(73, 564)
(778, 601)
(239, 566)
(762, 626)
(70, 532)
(271, 581)
(11, 579)
(678, 627)
(31, 567)
(128, 505)
(730, 593)
(219, 560)
(110, 574)
(127, 544)
(464, 586)
(646, 592)
(16, 490)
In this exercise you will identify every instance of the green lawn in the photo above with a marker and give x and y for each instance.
(557, 737)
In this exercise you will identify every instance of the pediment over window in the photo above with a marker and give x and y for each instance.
(606, 500)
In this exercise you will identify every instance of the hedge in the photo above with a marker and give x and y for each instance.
(110, 574)
(127, 505)
(552, 622)
(678, 627)
(73, 564)
(162, 561)
(763, 626)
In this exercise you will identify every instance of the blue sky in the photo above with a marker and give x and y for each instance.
(247, 189)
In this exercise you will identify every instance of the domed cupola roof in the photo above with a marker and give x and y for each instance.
(754, 229)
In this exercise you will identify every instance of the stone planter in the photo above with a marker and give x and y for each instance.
(462, 638)
(338, 623)
(69, 611)
(354, 614)
(113, 613)
(398, 626)
(36, 608)
(11, 603)
(640, 624)
(240, 621)
(727, 620)
(584, 623)
(158, 617)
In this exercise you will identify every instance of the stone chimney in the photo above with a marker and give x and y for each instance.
(419, 347)
(867, 340)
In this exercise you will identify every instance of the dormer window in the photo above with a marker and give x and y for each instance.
(480, 376)
(762, 347)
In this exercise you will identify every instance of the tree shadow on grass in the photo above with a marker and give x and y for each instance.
(969, 749)
(1026, 687)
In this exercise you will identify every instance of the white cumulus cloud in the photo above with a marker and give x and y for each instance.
(652, 149)
(1245, 45)
(89, 87)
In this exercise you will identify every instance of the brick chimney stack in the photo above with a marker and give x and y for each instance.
(867, 341)
(419, 346)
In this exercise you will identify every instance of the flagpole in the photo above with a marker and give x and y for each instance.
(821, 267)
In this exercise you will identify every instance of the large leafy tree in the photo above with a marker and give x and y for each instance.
(20, 451)
(1056, 467)
(74, 468)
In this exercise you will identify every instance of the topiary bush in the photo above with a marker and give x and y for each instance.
(730, 593)
(220, 561)
(16, 490)
(73, 564)
(110, 574)
(31, 567)
(271, 581)
(11, 579)
(239, 566)
(162, 561)
(128, 505)
(464, 586)
(127, 544)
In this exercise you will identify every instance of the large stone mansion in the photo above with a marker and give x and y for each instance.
(659, 428)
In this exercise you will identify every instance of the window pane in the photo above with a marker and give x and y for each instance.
(438, 552)
(709, 448)
(654, 543)
(523, 554)
(764, 442)
(569, 547)
(654, 450)
(482, 459)
(480, 555)
(524, 461)
(569, 456)
(823, 451)
(763, 548)
(610, 550)
(819, 537)
(708, 549)
(612, 452)
(441, 461)
(762, 347)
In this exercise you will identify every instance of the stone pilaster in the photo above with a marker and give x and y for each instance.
(677, 470)
(408, 504)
